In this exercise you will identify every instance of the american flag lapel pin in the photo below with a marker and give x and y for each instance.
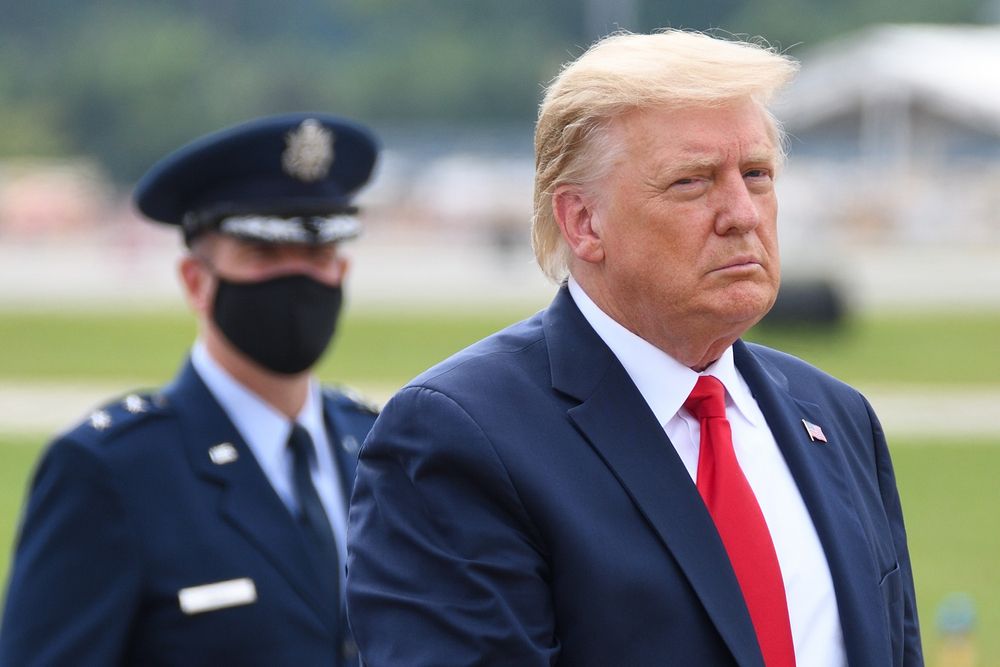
(815, 432)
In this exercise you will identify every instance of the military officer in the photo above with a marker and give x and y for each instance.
(204, 524)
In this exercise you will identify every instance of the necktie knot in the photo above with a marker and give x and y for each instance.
(707, 399)
(301, 444)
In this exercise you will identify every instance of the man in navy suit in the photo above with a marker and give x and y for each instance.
(538, 498)
(204, 524)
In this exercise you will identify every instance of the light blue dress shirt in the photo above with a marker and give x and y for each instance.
(266, 431)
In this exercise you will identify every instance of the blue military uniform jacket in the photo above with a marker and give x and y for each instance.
(159, 494)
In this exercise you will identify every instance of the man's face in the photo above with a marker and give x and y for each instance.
(687, 221)
(237, 260)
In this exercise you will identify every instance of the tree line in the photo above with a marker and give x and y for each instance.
(123, 81)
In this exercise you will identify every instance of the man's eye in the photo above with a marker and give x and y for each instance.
(687, 181)
(758, 173)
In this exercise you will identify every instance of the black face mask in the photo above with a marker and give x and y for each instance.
(284, 324)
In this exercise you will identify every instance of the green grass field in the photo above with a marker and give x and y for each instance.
(947, 486)
(390, 348)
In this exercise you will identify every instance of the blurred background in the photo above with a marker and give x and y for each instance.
(890, 212)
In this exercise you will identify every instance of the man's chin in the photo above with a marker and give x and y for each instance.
(746, 307)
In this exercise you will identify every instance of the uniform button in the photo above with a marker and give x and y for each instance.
(349, 649)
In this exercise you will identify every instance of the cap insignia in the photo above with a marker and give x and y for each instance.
(308, 152)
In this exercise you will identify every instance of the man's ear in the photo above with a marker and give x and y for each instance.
(576, 216)
(345, 267)
(197, 283)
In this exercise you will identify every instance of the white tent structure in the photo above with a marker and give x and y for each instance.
(893, 182)
(891, 94)
(894, 137)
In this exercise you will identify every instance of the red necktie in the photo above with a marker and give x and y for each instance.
(740, 523)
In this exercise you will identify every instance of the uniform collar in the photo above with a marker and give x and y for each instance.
(264, 429)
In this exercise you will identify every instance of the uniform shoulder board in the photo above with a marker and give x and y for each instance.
(359, 400)
(116, 415)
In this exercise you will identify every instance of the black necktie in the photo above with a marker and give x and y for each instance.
(312, 517)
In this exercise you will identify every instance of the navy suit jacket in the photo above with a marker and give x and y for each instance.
(519, 504)
(129, 508)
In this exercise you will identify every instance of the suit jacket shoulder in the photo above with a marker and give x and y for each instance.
(491, 362)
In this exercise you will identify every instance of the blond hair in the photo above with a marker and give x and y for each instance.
(627, 71)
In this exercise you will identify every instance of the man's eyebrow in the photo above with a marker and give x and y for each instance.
(696, 161)
(762, 155)
(687, 164)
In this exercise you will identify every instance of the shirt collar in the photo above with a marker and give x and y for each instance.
(264, 429)
(663, 381)
(737, 391)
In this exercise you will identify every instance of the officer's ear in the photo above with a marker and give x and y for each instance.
(197, 280)
(344, 266)
(575, 211)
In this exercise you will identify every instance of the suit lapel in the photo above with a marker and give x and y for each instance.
(639, 454)
(820, 473)
(248, 501)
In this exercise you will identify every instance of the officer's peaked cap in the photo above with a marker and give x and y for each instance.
(286, 178)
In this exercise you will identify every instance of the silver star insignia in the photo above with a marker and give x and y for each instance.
(135, 403)
(100, 420)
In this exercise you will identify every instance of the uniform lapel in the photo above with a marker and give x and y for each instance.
(344, 443)
(820, 472)
(248, 501)
(344, 446)
(618, 424)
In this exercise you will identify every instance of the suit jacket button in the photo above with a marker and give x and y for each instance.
(349, 649)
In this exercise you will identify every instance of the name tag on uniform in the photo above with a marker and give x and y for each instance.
(220, 595)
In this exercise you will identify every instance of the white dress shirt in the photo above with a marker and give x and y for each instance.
(665, 384)
(266, 431)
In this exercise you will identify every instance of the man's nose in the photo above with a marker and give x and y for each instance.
(737, 208)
